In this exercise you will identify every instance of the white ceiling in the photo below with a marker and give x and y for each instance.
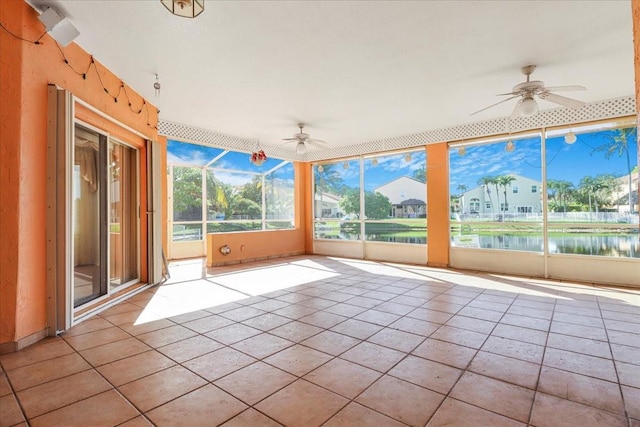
(355, 71)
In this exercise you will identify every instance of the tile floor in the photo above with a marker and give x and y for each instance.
(310, 341)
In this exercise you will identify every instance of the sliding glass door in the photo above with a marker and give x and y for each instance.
(104, 215)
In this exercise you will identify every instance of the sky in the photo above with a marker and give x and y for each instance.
(564, 162)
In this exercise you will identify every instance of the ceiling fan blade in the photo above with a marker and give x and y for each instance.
(562, 100)
(509, 93)
(289, 139)
(565, 88)
(493, 105)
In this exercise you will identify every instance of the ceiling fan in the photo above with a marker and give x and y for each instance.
(528, 90)
(302, 139)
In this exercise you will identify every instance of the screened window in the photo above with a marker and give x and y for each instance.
(592, 191)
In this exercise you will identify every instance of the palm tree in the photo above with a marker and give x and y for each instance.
(619, 143)
(485, 181)
(462, 189)
(505, 181)
(494, 181)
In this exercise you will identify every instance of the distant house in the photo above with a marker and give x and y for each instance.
(326, 205)
(523, 196)
(621, 195)
(407, 196)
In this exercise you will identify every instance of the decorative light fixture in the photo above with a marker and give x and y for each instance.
(407, 157)
(156, 86)
(184, 8)
(510, 146)
(320, 168)
(462, 151)
(570, 138)
(301, 148)
(528, 107)
(374, 162)
(258, 157)
(345, 165)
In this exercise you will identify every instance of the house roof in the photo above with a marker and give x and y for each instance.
(412, 202)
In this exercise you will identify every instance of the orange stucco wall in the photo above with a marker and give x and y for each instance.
(25, 71)
(438, 204)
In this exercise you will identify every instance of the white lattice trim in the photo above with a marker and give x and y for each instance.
(562, 116)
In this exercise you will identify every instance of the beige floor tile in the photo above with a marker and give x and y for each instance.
(373, 356)
(507, 369)
(263, 345)
(445, 352)
(580, 364)
(189, 316)
(124, 317)
(503, 398)
(345, 378)
(530, 312)
(579, 345)
(219, 363)
(323, 319)
(134, 367)
(526, 322)
(356, 415)
(472, 324)
(136, 329)
(433, 316)
(270, 305)
(267, 321)
(582, 389)
(166, 336)
(10, 412)
(555, 412)
(5, 388)
(161, 387)
(516, 349)
(233, 333)
(298, 359)
(254, 382)
(111, 352)
(206, 406)
(401, 400)
(207, 324)
(96, 338)
(364, 302)
(456, 413)
(49, 348)
(331, 342)
(631, 398)
(346, 310)
(396, 339)
(415, 326)
(625, 353)
(519, 333)
(395, 308)
(242, 313)
(251, 417)
(296, 331)
(625, 338)
(45, 371)
(581, 331)
(105, 409)
(460, 336)
(445, 307)
(480, 313)
(90, 325)
(189, 348)
(426, 373)
(576, 319)
(356, 329)
(64, 391)
(139, 421)
(377, 317)
(409, 300)
(317, 303)
(295, 311)
(302, 404)
(629, 374)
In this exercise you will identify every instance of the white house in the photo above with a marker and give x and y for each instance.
(523, 196)
(621, 195)
(407, 195)
(326, 205)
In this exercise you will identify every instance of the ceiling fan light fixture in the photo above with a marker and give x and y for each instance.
(301, 148)
(374, 162)
(528, 107)
(570, 138)
(184, 8)
(320, 168)
(462, 151)
(345, 165)
(407, 157)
